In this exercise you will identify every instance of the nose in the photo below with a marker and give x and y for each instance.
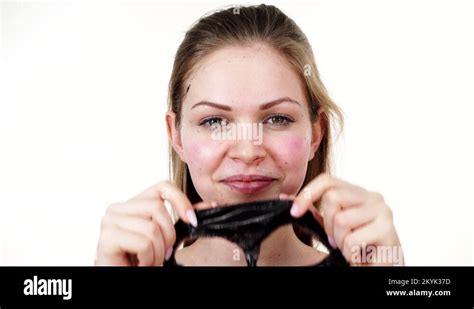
(247, 152)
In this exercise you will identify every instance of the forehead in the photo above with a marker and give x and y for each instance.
(244, 74)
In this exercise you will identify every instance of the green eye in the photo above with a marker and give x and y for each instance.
(213, 122)
(279, 120)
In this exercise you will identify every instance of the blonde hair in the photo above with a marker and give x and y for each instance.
(246, 25)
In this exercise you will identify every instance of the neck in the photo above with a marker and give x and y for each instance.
(280, 248)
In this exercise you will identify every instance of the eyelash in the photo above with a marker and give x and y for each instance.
(287, 120)
(205, 121)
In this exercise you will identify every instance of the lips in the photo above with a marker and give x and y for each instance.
(248, 184)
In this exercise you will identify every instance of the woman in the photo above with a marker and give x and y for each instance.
(247, 65)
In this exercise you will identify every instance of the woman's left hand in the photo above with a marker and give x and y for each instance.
(357, 221)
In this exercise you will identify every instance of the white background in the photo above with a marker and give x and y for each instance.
(83, 96)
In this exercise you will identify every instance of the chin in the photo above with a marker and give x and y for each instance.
(230, 197)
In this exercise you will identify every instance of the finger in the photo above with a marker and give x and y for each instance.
(314, 211)
(118, 242)
(358, 239)
(146, 228)
(351, 218)
(178, 200)
(148, 209)
(312, 192)
(166, 226)
(337, 199)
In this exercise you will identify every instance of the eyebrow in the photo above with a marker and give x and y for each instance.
(263, 106)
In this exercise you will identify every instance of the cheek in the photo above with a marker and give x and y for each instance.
(292, 156)
(203, 157)
(200, 154)
(292, 152)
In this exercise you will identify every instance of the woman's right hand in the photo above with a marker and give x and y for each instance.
(141, 231)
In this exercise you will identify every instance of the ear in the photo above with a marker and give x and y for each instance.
(318, 131)
(174, 134)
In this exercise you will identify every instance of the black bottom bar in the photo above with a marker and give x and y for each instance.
(430, 286)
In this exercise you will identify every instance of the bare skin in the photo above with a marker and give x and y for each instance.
(282, 248)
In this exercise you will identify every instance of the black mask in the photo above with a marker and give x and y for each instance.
(248, 224)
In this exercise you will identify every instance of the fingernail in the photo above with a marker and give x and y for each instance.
(294, 209)
(168, 253)
(332, 242)
(192, 217)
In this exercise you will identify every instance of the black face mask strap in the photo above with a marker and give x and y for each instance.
(251, 256)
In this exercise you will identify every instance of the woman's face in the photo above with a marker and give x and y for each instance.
(245, 129)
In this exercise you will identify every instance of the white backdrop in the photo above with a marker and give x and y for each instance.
(83, 96)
